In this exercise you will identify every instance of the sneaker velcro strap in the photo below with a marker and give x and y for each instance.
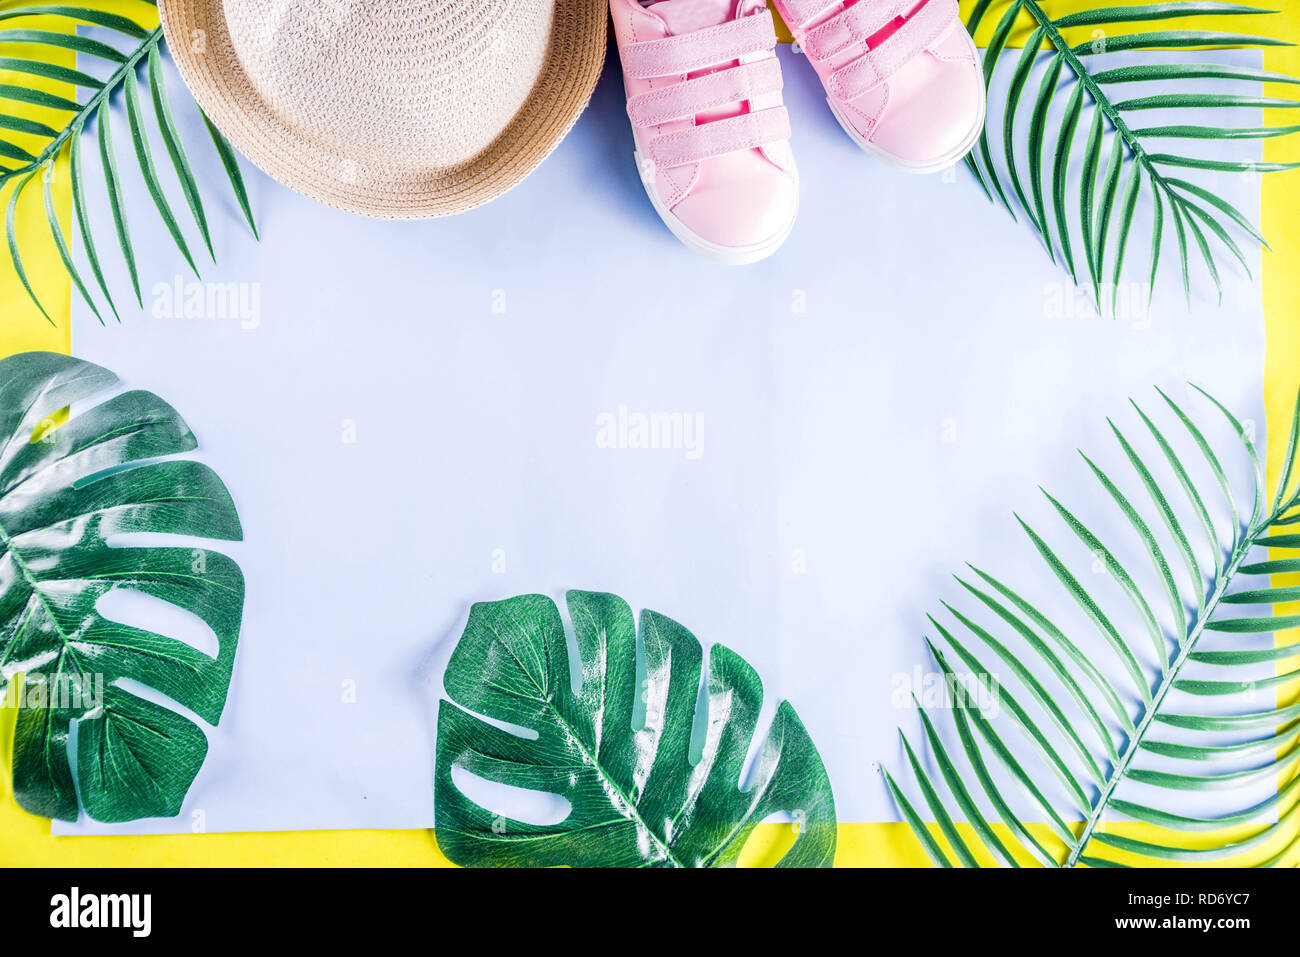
(743, 82)
(799, 12)
(854, 25)
(926, 28)
(700, 49)
(744, 132)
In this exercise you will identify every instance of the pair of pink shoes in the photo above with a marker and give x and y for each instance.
(712, 136)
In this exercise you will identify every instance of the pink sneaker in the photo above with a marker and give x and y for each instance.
(704, 97)
(902, 76)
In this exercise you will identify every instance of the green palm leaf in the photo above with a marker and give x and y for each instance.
(29, 148)
(1220, 746)
(636, 797)
(1118, 149)
(64, 491)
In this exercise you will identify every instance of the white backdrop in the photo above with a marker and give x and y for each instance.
(407, 417)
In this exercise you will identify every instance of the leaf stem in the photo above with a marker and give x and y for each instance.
(34, 583)
(545, 695)
(1243, 548)
(612, 784)
(78, 120)
(1102, 101)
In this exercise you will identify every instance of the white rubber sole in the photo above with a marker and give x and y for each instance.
(936, 165)
(715, 252)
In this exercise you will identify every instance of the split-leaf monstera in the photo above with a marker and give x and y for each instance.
(65, 489)
(636, 798)
(1177, 705)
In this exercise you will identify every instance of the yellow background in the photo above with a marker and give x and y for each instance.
(27, 840)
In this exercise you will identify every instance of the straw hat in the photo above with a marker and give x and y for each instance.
(398, 109)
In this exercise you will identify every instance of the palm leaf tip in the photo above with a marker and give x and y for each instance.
(105, 67)
(1140, 778)
(1106, 214)
(637, 800)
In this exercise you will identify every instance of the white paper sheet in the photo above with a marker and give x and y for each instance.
(409, 417)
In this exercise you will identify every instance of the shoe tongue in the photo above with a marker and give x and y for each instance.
(687, 16)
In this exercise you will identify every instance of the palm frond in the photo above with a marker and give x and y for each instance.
(1123, 157)
(1171, 708)
(30, 149)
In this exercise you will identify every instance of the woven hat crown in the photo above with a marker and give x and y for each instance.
(405, 82)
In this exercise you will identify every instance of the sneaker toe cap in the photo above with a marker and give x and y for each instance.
(935, 107)
(739, 205)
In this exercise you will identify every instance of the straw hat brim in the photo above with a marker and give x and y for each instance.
(321, 171)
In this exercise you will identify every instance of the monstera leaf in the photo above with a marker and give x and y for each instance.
(64, 490)
(38, 127)
(1173, 726)
(636, 798)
